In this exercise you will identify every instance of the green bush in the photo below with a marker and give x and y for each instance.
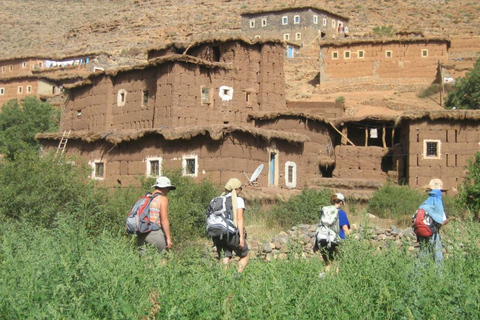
(340, 99)
(469, 193)
(429, 91)
(395, 202)
(302, 208)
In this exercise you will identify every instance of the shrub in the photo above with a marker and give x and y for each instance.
(395, 202)
(429, 91)
(340, 99)
(469, 193)
(302, 208)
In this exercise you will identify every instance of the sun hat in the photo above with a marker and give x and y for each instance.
(340, 196)
(435, 184)
(164, 182)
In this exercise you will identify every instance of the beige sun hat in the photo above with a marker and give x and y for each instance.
(164, 182)
(435, 184)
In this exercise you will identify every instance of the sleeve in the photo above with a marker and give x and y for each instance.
(240, 203)
(342, 219)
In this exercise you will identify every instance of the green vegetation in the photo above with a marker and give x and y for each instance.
(340, 99)
(429, 91)
(64, 254)
(469, 194)
(466, 93)
(384, 31)
(20, 122)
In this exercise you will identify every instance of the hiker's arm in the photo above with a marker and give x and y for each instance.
(346, 229)
(448, 219)
(240, 225)
(165, 222)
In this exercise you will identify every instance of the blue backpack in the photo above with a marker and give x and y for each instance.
(138, 220)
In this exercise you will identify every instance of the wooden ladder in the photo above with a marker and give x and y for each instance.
(62, 144)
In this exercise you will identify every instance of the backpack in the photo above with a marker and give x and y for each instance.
(138, 220)
(423, 224)
(219, 217)
(328, 227)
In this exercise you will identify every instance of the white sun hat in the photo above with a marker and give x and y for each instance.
(164, 182)
(340, 196)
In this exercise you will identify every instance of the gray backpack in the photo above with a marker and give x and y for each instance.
(219, 217)
(138, 220)
(328, 227)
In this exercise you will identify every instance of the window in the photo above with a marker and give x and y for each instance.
(424, 53)
(2, 91)
(334, 23)
(286, 36)
(79, 114)
(290, 174)
(226, 93)
(361, 54)
(252, 23)
(40, 64)
(431, 149)
(4, 69)
(121, 97)
(247, 97)
(24, 65)
(190, 165)
(346, 54)
(29, 89)
(296, 19)
(10, 68)
(264, 22)
(206, 96)
(324, 22)
(98, 169)
(20, 90)
(154, 166)
(145, 98)
(346, 29)
(284, 20)
(335, 55)
(315, 19)
(298, 36)
(388, 53)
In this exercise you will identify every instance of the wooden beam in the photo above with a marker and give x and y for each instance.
(384, 134)
(335, 128)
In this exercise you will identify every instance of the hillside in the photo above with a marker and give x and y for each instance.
(128, 27)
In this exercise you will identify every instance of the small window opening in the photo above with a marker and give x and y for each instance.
(20, 90)
(388, 53)
(99, 170)
(424, 53)
(335, 55)
(361, 54)
(296, 19)
(346, 54)
(206, 98)
(145, 98)
(79, 114)
(252, 23)
(264, 22)
(284, 20)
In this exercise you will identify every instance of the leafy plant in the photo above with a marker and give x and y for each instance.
(466, 92)
(384, 31)
(340, 99)
(392, 201)
(19, 123)
(469, 193)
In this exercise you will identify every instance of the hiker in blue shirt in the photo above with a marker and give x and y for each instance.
(434, 207)
(328, 247)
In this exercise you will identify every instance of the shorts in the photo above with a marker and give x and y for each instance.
(231, 245)
(157, 238)
(328, 253)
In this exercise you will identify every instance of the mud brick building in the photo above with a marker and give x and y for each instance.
(413, 60)
(299, 25)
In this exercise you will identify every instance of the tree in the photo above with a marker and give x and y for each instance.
(19, 123)
(470, 190)
(466, 92)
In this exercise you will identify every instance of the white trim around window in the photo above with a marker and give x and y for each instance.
(432, 149)
(98, 169)
(290, 174)
(154, 166)
(190, 165)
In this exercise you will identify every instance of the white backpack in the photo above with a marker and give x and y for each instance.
(328, 227)
(219, 217)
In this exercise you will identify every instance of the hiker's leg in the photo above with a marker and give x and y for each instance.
(158, 239)
(437, 248)
(225, 262)
(242, 264)
(141, 243)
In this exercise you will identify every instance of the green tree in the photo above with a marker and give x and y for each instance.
(466, 92)
(19, 123)
(469, 193)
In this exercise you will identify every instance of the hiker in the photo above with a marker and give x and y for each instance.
(159, 214)
(326, 238)
(234, 242)
(433, 206)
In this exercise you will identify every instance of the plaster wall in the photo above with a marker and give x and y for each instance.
(11, 89)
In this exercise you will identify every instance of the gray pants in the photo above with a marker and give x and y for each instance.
(431, 246)
(157, 238)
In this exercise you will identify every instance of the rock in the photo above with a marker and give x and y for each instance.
(266, 247)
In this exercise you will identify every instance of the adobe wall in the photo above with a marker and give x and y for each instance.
(175, 93)
(217, 160)
(462, 55)
(360, 162)
(11, 89)
(405, 63)
(459, 141)
(324, 109)
(20, 67)
(319, 150)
